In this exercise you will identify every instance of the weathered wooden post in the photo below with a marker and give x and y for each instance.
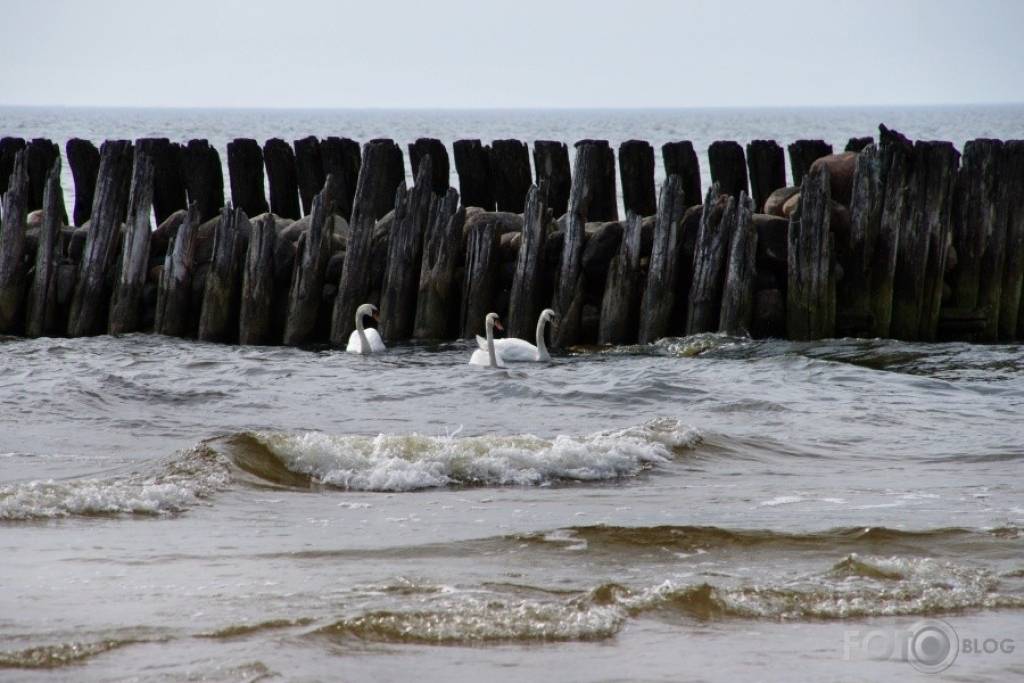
(354, 286)
(341, 160)
(9, 148)
(728, 167)
(551, 164)
(923, 242)
(255, 323)
(472, 163)
(173, 299)
(393, 168)
(710, 261)
(896, 158)
(510, 174)
(680, 159)
(41, 317)
(659, 295)
(218, 318)
(169, 193)
(854, 296)
(204, 178)
(282, 178)
(12, 245)
(405, 254)
(802, 154)
(623, 289)
(84, 160)
(636, 166)
(436, 310)
(737, 313)
(478, 283)
(245, 168)
(1011, 322)
(125, 305)
(40, 154)
(91, 299)
(312, 255)
(767, 164)
(525, 304)
(604, 201)
(858, 144)
(811, 294)
(590, 172)
(434, 148)
(310, 170)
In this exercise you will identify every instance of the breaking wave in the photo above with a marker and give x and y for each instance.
(396, 462)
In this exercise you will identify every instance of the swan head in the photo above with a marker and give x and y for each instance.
(548, 315)
(492, 320)
(368, 309)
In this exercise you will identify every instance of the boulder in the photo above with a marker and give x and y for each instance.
(506, 222)
(772, 241)
(334, 267)
(161, 237)
(34, 219)
(601, 245)
(777, 199)
(840, 172)
(77, 244)
(790, 206)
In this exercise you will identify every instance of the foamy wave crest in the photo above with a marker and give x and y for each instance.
(178, 485)
(389, 462)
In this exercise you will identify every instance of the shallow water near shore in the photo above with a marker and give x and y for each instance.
(708, 507)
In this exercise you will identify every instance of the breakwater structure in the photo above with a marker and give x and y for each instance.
(889, 238)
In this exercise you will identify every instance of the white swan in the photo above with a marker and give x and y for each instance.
(514, 350)
(362, 340)
(489, 357)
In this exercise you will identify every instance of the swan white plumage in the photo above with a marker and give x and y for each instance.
(488, 357)
(365, 341)
(515, 350)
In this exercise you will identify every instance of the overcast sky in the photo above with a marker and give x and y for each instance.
(516, 53)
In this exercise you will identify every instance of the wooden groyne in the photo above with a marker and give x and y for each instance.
(890, 238)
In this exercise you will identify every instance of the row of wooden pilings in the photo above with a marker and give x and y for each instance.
(888, 239)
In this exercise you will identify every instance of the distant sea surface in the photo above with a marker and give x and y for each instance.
(702, 508)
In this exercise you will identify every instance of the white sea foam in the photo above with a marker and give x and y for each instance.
(389, 462)
(178, 485)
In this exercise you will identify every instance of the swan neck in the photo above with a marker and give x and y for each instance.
(364, 345)
(542, 349)
(490, 344)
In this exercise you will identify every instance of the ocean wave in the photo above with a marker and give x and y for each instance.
(59, 655)
(409, 462)
(180, 483)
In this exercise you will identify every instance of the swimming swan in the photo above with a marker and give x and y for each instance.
(488, 357)
(514, 350)
(365, 341)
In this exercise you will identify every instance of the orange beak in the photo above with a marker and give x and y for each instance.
(376, 316)
(497, 326)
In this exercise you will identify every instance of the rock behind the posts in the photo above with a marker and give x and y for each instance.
(811, 294)
(659, 294)
(12, 246)
(88, 314)
(636, 165)
(680, 159)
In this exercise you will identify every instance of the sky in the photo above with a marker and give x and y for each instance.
(517, 53)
